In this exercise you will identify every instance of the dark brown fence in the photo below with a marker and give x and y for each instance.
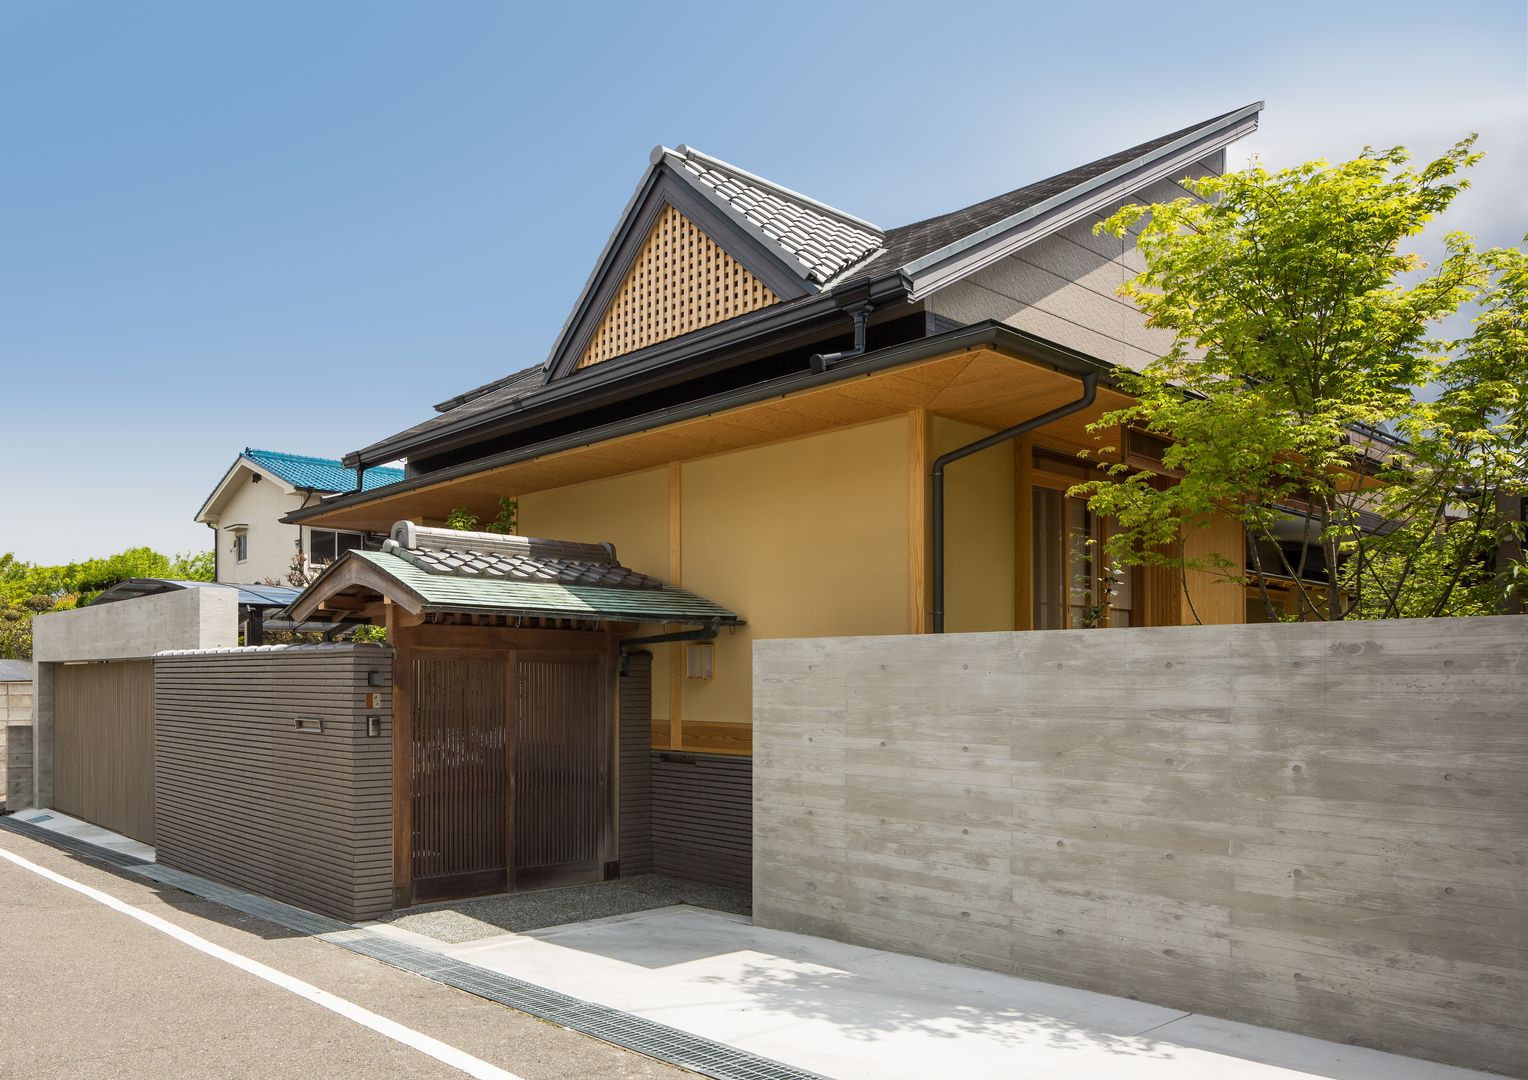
(636, 819)
(103, 745)
(275, 772)
(702, 817)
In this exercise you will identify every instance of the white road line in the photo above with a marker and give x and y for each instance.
(447, 1055)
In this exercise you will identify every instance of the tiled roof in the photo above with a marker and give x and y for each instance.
(907, 243)
(526, 567)
(542, 598)
(320, 474)
(821, 239)
(831, 248)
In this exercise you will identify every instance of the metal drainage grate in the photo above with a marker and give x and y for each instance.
(635, 1033)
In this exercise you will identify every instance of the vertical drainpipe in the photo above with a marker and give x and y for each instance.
(1089, 392)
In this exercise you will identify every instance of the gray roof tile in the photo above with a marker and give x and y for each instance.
(822, 241)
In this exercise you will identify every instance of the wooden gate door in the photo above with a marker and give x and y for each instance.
(460, 797)
(103, 745)
(507, 739)
(561, 742)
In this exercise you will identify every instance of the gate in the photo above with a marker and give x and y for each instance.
(561, 753)
(509, 759)
(103, 745)
(461, 791)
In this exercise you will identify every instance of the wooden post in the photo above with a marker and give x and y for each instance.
(676, 577)
(1024, 533)
(403, 758)
(917, 520)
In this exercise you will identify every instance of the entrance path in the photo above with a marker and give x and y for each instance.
(107, 975)
(846, 1011)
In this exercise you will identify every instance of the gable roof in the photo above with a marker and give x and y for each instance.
(297, 472)
(450, 571)
(817, 251)
(922, 245)
(320, 474)
(819, 238)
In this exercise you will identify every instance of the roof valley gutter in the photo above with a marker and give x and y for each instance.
(1089, 392)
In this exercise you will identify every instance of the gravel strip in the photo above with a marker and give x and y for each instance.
(467, 920)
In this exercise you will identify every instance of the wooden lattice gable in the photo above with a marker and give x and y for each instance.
(681, 280)
(701, 243)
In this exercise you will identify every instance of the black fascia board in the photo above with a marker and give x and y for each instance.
(989, 334)
(641, 371)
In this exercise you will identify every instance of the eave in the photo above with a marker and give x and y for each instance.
(690, 356)
(983, 374)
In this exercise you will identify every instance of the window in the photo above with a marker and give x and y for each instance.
(240, 546)
(326, 545)
(1073, 584)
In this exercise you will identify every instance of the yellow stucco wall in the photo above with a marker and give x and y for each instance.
(631, 512)
(1208, 596)
(979, 534)
(803, 538)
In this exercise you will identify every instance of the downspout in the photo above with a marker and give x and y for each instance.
(706, 633)
(860, 312)
(1089, 392)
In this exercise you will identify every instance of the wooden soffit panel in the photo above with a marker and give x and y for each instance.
(681, 280)
(978, 386)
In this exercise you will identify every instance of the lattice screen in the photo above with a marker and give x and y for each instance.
(680, 281)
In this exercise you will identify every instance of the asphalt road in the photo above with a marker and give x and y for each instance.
(88, 991)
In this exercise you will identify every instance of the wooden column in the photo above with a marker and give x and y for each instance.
(676, 577)
(918, 440)
(1024, 533)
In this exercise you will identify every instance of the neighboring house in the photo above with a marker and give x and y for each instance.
(252, 543)
(815, 426)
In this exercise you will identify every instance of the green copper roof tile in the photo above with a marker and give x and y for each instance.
(545, 598)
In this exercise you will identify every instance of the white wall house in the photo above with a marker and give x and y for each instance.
(244, 511)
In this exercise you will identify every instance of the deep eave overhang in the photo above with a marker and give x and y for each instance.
(643, 370)
(991, 335)
(980, 249)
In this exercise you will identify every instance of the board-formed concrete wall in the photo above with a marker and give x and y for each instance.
(194, 618)
(1322, 828)
(15, 744)
(268, 776)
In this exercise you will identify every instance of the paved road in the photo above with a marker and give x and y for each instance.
(88, 991)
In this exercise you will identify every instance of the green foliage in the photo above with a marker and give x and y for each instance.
(1301, 332)
(27, 589)
(508, 517)
(462, 518)
(507, 520)
(368, 632)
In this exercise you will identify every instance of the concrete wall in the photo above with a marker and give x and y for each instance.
(1317, 827)
(246, 796)
(127, 629)
(15, 745)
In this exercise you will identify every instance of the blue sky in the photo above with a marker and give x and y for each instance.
(297, 225)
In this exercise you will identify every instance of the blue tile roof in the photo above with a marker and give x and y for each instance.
(320, 474)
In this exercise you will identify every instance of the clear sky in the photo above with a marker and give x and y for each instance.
(297, 225)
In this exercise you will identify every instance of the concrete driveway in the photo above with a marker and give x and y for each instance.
(90, 990)
(851, 1012)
